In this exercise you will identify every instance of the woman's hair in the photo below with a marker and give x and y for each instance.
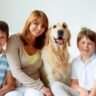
(4, 28)
(88, 33)
(40, 41)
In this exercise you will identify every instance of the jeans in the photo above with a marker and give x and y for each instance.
(61, 89)
(24, 91)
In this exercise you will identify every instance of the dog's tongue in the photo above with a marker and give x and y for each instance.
(60, 42)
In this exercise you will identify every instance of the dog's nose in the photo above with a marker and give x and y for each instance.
(60, 32)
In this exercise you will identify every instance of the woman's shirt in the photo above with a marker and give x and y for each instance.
(32, 58)
(85, 73)
(25, 72)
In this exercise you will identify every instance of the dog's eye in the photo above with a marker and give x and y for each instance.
(64, 26)
(54, 26)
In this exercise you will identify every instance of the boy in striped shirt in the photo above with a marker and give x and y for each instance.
(5, 74)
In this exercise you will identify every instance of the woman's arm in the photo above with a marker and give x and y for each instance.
(14, 60)
(9, 84)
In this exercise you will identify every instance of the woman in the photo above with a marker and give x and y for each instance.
(23, 54)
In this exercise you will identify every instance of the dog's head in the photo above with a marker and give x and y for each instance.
(59, 34)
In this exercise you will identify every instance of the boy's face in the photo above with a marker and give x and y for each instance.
(3, 39)
(86, 47)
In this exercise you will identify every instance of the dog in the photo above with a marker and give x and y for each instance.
(55, 54)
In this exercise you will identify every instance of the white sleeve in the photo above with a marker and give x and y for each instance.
(94, 71)
(94, 75)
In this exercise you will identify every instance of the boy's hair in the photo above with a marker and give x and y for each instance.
(4, 27)
(88, 33)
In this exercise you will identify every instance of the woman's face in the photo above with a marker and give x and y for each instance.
(36, 27)
(86, 46)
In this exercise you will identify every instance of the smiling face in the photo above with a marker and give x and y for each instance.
(86, 47)
(37, 27)
(60, 34)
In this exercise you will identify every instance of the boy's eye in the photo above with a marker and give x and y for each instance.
(83, 42)
(2, 37)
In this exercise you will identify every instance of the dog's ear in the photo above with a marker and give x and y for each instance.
(69, 37)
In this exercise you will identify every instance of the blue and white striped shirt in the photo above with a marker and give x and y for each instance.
(4, 68)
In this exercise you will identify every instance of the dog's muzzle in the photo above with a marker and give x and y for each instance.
(60, 33)
(60, 40)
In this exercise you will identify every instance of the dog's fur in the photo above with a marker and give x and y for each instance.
(55, 54)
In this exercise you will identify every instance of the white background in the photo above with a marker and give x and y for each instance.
(76, 13)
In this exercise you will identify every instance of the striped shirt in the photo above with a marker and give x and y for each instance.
(4, 68)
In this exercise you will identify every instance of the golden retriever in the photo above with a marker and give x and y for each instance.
(55, 54)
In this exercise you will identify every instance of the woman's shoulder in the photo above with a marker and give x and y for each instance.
(15, 36)
(14, 39)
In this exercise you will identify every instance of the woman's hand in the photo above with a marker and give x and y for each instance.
(46, 91)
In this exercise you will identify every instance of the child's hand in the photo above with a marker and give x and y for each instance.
(83, 92)
(93, 92)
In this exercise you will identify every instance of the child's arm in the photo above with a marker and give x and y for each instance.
(93, 91)
(10, 84)
(75, 86)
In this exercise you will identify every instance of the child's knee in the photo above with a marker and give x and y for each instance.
(56, 85)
